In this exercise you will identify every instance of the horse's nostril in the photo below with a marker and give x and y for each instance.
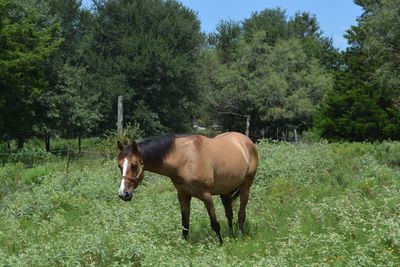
(126, 196)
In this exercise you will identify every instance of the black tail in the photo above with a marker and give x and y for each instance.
(228, 200)
(236, 193)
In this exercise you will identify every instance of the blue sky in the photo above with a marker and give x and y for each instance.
(334, 16)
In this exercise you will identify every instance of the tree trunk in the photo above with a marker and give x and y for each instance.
(47, 142)
(20, 143)
(79, 143)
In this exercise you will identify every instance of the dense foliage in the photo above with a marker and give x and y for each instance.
(26, 42)
(63, 66)
(364, 104)
(270, 68)
(319, 204)
(145, 50)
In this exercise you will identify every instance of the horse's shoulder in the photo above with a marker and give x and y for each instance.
(191, 143)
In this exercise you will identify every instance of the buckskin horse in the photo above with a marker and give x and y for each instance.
(198, 166)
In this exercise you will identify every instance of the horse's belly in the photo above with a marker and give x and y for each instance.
(227, 183)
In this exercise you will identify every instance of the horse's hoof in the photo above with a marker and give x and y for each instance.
(240, 234)
(231, 233)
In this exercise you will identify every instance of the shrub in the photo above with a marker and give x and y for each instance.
(108, 144)
(28, 156)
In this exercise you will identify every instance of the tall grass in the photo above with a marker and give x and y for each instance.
(318, 204)
(56, 144)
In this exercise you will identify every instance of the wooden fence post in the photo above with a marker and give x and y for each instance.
(68, 160)
(247, 125)
(120, 114)
(296, 139)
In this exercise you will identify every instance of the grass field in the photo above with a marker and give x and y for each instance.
(311, 204)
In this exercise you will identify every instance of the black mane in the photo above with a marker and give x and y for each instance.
(154, 150)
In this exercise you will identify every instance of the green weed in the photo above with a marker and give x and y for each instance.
(311, 204)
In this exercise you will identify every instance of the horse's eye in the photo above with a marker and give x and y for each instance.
(133, 167)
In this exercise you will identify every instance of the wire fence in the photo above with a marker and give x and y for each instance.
(31, 157)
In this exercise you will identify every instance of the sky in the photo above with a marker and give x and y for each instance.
(334, 16)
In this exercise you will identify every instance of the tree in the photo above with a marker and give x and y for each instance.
(26, 43)
(305, 27)
(147, 50)
(70, 110)
(74, 24)
(380, 41)
(226, 40)
(279, 86)
(364, 102)
(271, 21)
(274, 73)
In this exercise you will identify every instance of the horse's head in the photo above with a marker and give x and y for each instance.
(131, 165)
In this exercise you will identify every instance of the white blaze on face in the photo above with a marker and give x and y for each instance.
(125, 167)
(124, 170)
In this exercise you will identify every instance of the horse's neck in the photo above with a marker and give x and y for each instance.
(163, 169)
(168, 167)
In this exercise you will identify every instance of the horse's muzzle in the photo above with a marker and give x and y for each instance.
(126, 196)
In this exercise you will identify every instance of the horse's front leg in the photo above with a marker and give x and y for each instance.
(184, 201)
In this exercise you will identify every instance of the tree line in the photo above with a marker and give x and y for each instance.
(62, 67)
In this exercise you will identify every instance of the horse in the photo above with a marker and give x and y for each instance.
(198, 167)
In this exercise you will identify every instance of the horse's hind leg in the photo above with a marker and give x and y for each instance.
(208, 202)
(244, 197)
(227, 202)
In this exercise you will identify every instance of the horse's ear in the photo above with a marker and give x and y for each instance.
(135, 147)
(120, 145)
